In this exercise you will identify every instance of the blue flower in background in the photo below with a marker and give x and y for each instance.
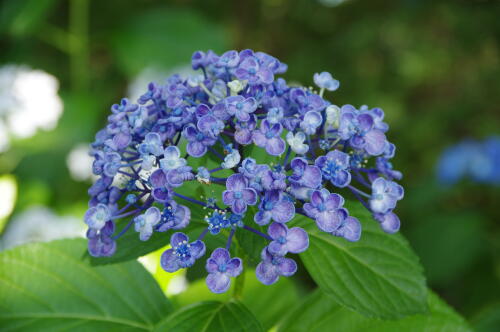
(324, 80)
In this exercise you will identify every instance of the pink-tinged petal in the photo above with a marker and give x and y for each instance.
(243, 136)
(275, 146)
(168, 261)
(276, 230)
(349, 230)
(312, 177)
(267, 273)
(234, 267)
(283, 211)
(328, 221)
(249, 196)
(228, 197)
(218, 282)
(239, 206)
(177, 239)
(220, 256)
(287, 267)
(259, 138)
(236, 182)
(266, 76)
(297, 240)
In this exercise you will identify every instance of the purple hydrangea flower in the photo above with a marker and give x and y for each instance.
(327, 209)
(324, 80)
(172, 159)
(385, 195)
(230, 59)
(144, 223)
(312, 120)
(243, 133)
(97, 216)
(197, 141)
(183, 254)
(349, 229)
(274, 206)
(221, 267)
(238, 195)
(389, 221)
(273, 266)
(268, 137)
(210, 125)
(251, 70)
(360, 130)
(100, 242)
(294, 240)
(240, 107)
(161, 190)
(304, 174)
(174, 216)
(335, 168)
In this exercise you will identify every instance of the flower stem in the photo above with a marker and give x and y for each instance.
(253, 230)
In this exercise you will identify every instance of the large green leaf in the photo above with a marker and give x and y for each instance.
(320, 313)
(48, 287)
(378, 276)
(211, 316)
(283, 294)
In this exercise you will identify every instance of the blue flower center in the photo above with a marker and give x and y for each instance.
(239, 106)
(177, 111)
(269, 134)
(321, 207)
(222, 268)
(252, 71)
(268, 206)
(200, 136)
(238, 194)
(330, 169)
(275, 261)
(183, 250)
(281, 240)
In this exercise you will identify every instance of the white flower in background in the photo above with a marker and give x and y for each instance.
(28, 102)
(8, 192)
(79, 163)
(40, 224)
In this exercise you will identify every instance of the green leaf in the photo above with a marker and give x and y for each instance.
(211, 316)
(378, 276)
(47, 287)
(320, 313)
(282, 295)
(251, 243)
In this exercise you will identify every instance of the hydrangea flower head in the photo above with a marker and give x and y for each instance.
(162, 157)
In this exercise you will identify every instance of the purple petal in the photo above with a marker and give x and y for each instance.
(276, 230)
(342, 179)
(243, 136)
(197, 249)
(311, 177)
(334, 201)
(168, 261)
(196, 149)
(262, 217)
(375, 142)
(239, 206)
(177, 239)
(267, 273)
(297, 240)
(389, 222)
(321, 161)
(236, 182)
(218, 282)
(287, 267)
(350, 229)
(316, 198)
(259, 138)
(275, 146)
(310, 210)
(220, 256)
(228, 197)
(283, 211)
(299, 164)
(234, 267)
(249, 196)
(158, 179)
(328, 221)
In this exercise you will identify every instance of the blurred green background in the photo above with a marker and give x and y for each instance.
(433, 66)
